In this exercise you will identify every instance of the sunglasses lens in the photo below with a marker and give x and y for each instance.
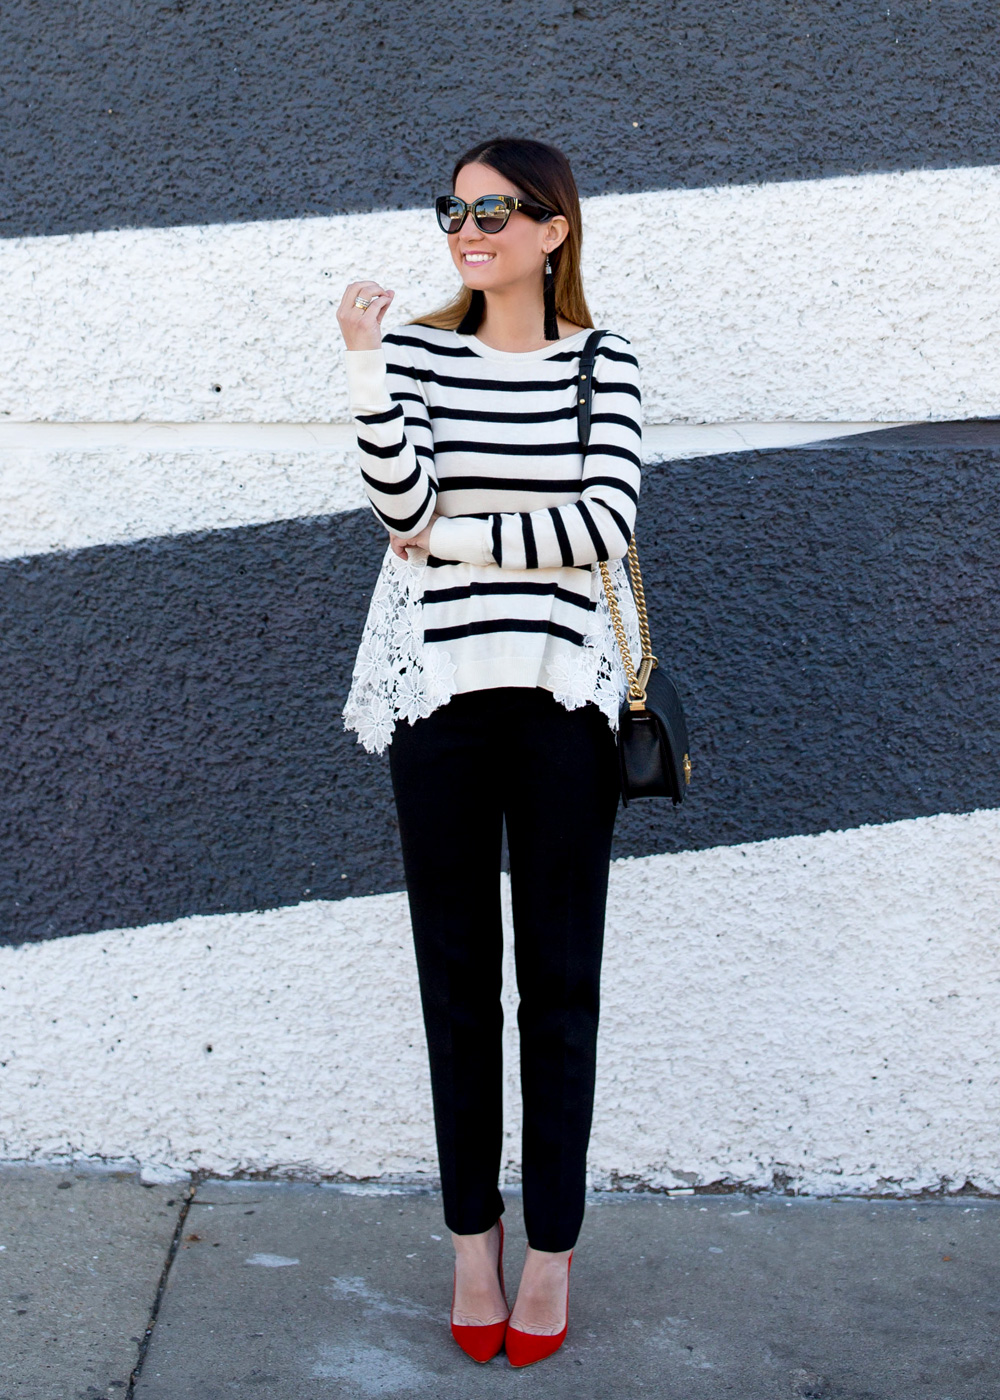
(491, 213)
(450, 213)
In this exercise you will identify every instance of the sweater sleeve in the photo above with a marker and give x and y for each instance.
(596, 526)
(394, 435)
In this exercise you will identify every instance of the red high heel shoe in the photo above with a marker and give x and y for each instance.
(481, 1342)
(524, 1348)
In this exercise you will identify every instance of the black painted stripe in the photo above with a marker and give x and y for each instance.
(131, 115)
(171, 709)
(967, 432)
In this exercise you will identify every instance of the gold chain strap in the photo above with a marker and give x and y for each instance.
(636, 682)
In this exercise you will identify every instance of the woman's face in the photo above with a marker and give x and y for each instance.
(495, 261)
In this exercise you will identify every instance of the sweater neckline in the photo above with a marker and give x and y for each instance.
(487, 352)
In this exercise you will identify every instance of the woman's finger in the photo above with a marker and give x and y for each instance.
(375, 300)
(355, 288)
(361, 325)
(355, 291)
(352, 290)
(364, 291)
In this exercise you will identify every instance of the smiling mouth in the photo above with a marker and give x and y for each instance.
(477, 259)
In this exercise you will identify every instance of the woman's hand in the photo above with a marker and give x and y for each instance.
(362, 329)
(422, 541)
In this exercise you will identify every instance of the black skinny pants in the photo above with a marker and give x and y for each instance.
(485, 757)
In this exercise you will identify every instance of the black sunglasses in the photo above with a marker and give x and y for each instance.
(490, 212)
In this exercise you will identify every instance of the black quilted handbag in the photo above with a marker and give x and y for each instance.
(652, 732)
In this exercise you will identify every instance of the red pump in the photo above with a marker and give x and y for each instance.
(482, 1343)
(523, 1348)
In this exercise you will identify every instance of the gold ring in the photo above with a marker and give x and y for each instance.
(363, 303)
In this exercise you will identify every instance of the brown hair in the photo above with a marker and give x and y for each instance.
(541, 173)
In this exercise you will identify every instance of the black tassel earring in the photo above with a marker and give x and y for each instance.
(473, 318)
(551, 328)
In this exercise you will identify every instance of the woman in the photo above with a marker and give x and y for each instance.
(489, 662)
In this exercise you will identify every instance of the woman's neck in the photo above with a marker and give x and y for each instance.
(514, 320)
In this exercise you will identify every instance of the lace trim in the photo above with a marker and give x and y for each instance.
(396, 677)
(593, 673)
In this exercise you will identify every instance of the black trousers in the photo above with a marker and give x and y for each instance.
(551, 773)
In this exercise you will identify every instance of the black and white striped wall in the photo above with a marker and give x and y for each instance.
(792, 211)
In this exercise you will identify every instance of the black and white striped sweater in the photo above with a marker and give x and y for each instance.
(487, 439)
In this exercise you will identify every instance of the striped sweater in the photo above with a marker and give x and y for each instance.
(487, 440)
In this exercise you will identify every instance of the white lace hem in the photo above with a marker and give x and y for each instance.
(397, 677)
(594, 673)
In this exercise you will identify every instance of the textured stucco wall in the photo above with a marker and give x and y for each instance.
(859, 299)
(819, 1012)
(69, 499)
(168, 113)
(792, 211)
(173, 707)
(67, 486)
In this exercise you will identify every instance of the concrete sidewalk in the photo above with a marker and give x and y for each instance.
(266, 1291)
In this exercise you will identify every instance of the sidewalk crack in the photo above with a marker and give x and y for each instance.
(161, 1288)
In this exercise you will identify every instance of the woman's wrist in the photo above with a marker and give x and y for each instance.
(355, 343)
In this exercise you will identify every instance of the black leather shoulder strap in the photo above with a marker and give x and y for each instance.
(585, 386)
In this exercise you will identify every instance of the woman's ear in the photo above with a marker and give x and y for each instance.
(556, 232)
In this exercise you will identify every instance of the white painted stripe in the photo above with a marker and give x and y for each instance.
(661, 441)
(826, 1007)
(855, 299)
(177, 437)
(74, 485)
(73, 500)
